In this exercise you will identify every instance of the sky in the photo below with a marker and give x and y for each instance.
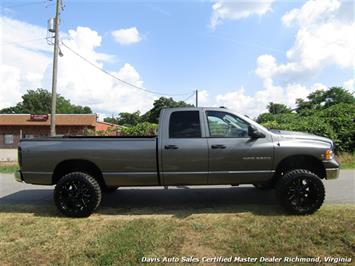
(238, 54)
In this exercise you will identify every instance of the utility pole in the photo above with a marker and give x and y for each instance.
(55, 67)
(196, 95)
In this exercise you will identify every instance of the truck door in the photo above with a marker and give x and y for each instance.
(234, 157)
(184, 150)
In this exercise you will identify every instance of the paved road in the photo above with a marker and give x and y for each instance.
(341, 190)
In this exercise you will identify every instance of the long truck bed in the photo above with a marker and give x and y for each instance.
(135, 157)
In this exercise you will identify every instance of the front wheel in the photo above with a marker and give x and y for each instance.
(77, 194)
(300, 191)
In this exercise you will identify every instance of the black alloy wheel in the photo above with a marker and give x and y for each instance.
(77, 194)
(300, 191)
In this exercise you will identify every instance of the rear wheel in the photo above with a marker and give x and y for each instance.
(300, 191)
(77, 194)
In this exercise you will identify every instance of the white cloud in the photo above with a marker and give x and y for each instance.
(24, 57)
(325, 37)
(255, 104)
(10, 81)
(27, 65)
(203, 97)
(349, 85)
(311, 12)
(127, 36)
(86, 85)
(237, 9)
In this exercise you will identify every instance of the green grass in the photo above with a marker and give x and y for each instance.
(346, 160)
(36, 235)
(8, 167)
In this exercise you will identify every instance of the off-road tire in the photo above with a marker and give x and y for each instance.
(77, 194)
(300, 192)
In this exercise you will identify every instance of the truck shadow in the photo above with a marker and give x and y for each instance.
(180, 202)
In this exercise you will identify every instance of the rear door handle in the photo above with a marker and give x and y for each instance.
(171, 147)
(218, 146)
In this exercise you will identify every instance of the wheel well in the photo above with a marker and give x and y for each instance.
(301, 162)
(85, 166)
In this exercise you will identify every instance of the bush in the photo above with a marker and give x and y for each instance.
(340, 118)
(141, 129)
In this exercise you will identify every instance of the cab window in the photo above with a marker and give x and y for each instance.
(185, 124)
(226, 125)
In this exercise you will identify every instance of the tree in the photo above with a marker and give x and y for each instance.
(278, 108)
(39, 102)
(129, 118)
(274, 109)
(141, 129)
(152, 115)
(125, 119)
(320, 100)
(327, 113)
(341, 118)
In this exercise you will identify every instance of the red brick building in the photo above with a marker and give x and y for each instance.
(13, 127)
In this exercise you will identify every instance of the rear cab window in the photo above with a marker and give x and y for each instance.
(185, 124)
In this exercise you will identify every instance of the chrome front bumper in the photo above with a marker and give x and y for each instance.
(18, 176)
(332, 173)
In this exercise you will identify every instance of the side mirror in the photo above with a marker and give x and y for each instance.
(254, 133)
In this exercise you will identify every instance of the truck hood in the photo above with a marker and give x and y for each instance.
(300, 135)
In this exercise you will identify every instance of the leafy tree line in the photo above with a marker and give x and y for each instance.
(152, 116)
(329, 113)
(39, 102)
(146, 124)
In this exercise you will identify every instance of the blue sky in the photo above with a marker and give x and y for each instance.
(179, 51)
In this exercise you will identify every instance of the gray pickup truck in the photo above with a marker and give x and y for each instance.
(194, 146)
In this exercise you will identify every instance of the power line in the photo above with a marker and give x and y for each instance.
(113, 76)
(189, 97)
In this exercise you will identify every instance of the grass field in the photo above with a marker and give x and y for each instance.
(8, 167)
(37, 235)
(347, 160)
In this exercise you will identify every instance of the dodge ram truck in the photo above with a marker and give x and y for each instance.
(193, 146)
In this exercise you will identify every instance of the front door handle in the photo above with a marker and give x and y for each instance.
(218, 146)
(171, 147)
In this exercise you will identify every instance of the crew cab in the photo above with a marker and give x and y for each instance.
(194, 146)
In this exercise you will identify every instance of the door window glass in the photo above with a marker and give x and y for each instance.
(185, 124)
(226, 125)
